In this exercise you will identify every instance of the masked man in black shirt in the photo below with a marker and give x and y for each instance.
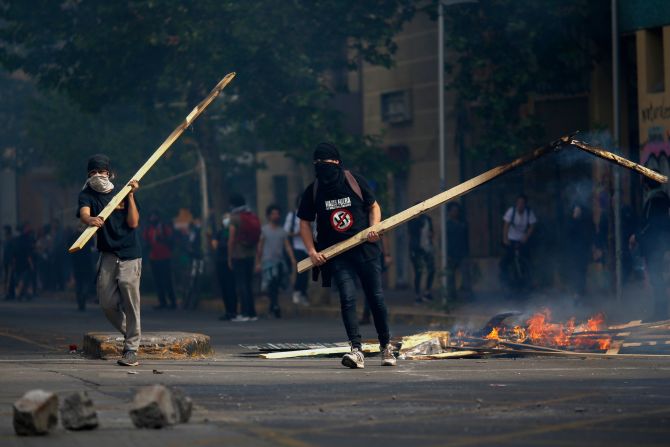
(120, 264)
(343, 204)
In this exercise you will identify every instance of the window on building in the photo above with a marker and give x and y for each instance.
(396, 107)
(655, 64)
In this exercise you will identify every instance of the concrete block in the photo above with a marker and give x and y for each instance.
(35, 413)
(183, 405)
(154, 407)
(153, 345)
(77, 412)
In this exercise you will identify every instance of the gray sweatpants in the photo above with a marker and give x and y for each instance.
(118, 288)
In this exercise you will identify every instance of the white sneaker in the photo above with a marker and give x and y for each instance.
(354, 359)
(303, 300)
(388, 359)
(240, 319)
(296, 297)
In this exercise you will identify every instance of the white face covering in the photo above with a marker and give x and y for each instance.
(100, 183)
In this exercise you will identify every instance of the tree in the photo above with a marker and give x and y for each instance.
(165, 56)
(509, 50)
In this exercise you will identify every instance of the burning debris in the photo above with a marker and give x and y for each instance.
(512, 334)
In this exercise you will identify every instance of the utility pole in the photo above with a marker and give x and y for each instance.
(616, 136)
(442, 134)
(443, 179)
(204, 197)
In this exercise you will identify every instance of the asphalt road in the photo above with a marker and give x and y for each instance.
(244, 401)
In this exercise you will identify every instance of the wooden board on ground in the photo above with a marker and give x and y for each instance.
(367, 348)
(412, 341)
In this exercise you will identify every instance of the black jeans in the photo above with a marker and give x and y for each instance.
(162, 272)
(301, 279)
(243, 269)
(344, 270)
(227, 283)
(422, 261)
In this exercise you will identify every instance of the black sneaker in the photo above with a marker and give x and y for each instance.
(129, 359)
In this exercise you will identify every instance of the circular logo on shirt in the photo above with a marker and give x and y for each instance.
(341, 220)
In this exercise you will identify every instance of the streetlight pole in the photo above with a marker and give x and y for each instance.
(443, 179)
(442, 149)
(616, 135)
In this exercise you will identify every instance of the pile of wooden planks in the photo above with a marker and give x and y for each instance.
(631, 340)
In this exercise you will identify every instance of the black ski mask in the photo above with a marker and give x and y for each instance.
(329, 175)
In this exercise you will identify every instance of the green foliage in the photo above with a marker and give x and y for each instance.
(508, 50)
(101, 53)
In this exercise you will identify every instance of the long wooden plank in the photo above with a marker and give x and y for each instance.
(467, 186)
(614, 158)
(158, 153)
(315, 352)
(435, 201)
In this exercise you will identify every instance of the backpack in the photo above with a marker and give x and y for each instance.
(249, 232)
(351, 180)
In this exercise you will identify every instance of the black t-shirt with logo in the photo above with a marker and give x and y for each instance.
(340, 215)
(115, 236)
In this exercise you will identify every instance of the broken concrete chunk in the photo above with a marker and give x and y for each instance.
(183, 405)
(153, 407)
(35, 413)
(77, 412)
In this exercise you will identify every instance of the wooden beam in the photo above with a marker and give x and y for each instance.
(158, 153)
(370, 348)
(467, 186)
(614, 158)
(435, 201)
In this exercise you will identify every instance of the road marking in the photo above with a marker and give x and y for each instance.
(29, 341)
(493, 439)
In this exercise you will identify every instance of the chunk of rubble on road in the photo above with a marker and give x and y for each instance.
(35, 413)
(154, 407)
(153, 345)
(183, 405)
(77, 412)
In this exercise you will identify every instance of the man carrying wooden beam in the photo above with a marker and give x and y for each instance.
(343, 205)
(120, 264)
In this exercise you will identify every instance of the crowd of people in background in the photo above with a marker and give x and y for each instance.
(253, 258)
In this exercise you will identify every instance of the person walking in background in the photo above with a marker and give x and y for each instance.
(579, 240)
(120, 264)
(243, 237)
(8, 275)
(273, 248)
(83, 271)
(458, 251)
(160, 239)
(197, 264)
(518, 225)
(224, 272)
(343, 205)
(292, 227)
(422, 255)
(24, 261)
(653, 241)
(57, 255)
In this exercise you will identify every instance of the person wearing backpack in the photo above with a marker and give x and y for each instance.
(292, 227)
(653, 241)
(159, 237)
(343, 204)
(244, 234)
(519, 223)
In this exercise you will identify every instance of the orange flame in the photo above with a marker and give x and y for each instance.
(493, 335)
